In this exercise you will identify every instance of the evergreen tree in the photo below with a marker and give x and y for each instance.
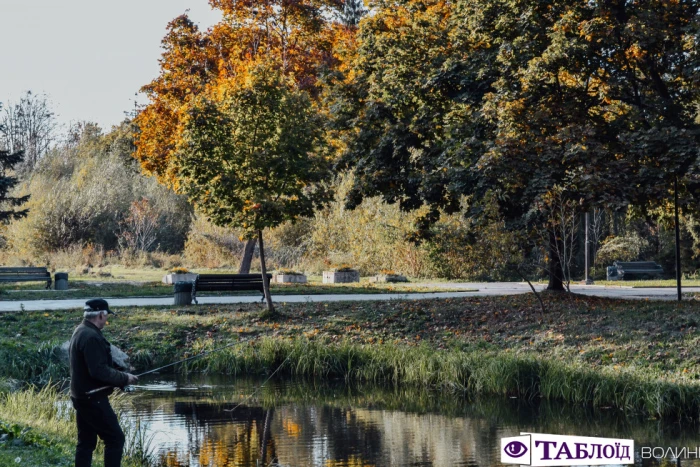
(8, 160)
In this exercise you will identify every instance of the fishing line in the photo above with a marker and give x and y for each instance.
(174, 363)
(264, 382)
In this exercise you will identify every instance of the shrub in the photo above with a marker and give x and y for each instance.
(83, 193)
(287, 246)
(623, 248)
(373, 233)
(209, 246)
(289, 272)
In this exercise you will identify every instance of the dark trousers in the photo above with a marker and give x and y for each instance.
(95, 418)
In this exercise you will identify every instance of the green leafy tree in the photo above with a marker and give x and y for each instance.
(594, 99)
(393, 110)
(253, 158)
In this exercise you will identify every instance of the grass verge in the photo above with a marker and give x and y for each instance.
(663, 283)
(86, 289)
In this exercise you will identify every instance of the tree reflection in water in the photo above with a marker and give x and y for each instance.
(246, 437)
(292, 424)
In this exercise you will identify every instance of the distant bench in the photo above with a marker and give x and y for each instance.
(26, 275)
(227, 282)
(630, 270)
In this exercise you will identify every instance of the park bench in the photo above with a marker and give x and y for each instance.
(26, 275)
(630, 270)
(227, 282)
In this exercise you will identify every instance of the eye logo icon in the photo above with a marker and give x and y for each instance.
(515, 449)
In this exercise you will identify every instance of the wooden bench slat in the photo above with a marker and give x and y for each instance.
(230, 276)
(227, 282)
(234, 288)
(24, 271)
(23, 278)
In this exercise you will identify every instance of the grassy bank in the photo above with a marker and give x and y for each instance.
(635, 356)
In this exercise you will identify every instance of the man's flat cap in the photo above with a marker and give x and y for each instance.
(98, 304)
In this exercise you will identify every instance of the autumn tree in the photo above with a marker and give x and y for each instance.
(297, 37)
(594, 99)
(253, 159)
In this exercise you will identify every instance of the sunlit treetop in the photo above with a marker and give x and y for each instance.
(298, 37)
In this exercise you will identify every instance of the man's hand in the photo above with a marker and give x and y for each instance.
(132, 378)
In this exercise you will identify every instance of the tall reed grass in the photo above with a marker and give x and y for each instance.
(470, 373)
(37, 365)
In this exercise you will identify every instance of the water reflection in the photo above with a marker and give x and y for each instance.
(213, 422)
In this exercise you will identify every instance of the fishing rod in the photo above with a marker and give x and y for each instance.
(172, 364)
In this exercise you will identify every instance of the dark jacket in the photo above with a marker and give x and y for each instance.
(91, 364)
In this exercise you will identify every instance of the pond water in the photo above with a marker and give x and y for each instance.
(214, 422)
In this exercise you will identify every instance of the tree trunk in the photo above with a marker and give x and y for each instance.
(266, 281)
(556, 280)
(247, 256)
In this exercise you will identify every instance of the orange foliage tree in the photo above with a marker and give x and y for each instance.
(302, 39)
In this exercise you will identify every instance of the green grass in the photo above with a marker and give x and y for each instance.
(89, 289)
(640, 283)
(117, 273)
(44, 423)
(37, 456)
(651, 283)
(634, 355)
(84, 289)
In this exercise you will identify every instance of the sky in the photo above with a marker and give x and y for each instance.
(89, 57)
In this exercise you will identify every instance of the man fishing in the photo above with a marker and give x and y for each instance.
(91, 368)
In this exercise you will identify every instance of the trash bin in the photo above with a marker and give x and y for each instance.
(183, 293)
(60, 281)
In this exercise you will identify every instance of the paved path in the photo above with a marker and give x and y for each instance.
(617, 291)
(483, 289)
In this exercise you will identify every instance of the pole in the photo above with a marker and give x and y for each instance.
(678, 239)
(588, 252)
